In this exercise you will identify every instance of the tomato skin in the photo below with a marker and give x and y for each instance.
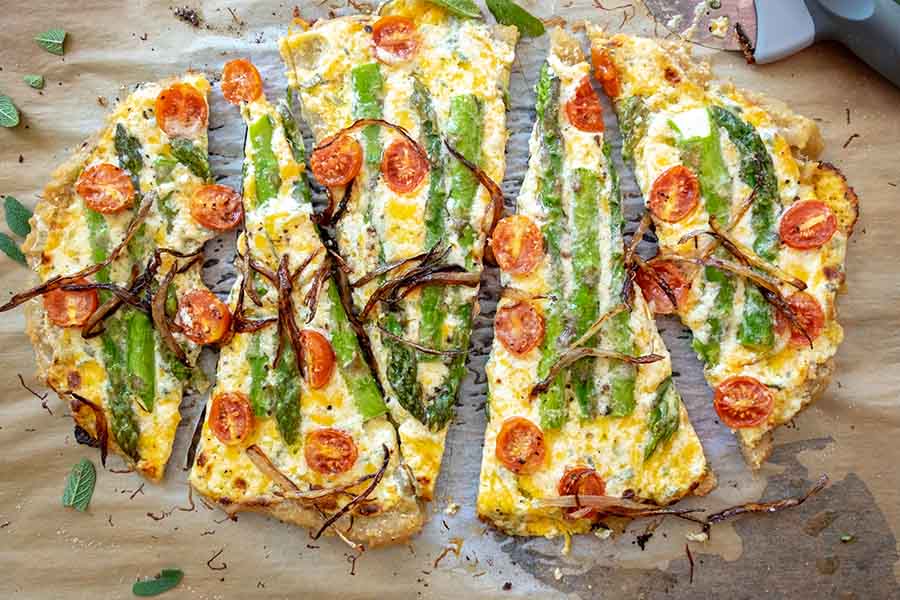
(217, 207)
(105, 188)
(743, 402)
(395, 39)
(329, 451)
(181, 111)
(319, 356)
(241, 81)
(518, 244)
(605, 71)
(807, 225)
(403, 167)
(675, 194)
(809, 313)
(520, 446)
(581, 481)
(672, 274)
(584, 110)
(71, 309)
(208, 318)
(337, 161)
(231, 418)
(519, 327)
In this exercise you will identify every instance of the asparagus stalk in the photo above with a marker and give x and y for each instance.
(140, 356)
(265, 164)
(704, 156)
(708, 350)
(285, 394)
(664, 417)
(401, 370)
(367, 85)
(259, 368)
(439, 410)
(757, 322)
(464, 131)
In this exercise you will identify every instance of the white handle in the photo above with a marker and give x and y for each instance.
(783, 27)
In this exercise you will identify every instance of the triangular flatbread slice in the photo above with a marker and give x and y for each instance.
(610, 424)
(440, 78)
(135, 182)
(296, 426)
(752, 230)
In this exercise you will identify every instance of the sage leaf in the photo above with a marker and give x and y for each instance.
(11, 249)
(9, 115)
(463, 8)
(35, 81)
(80, 485)
(165, 581)
(508, 12)
(17, 216)
(52, 41)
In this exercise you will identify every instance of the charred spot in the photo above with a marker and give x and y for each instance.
(834, 274)
(202, 459)
(226, 501)
(83, 437)
(368, 509)
(672, 76)
(74, 380)
(240, 484)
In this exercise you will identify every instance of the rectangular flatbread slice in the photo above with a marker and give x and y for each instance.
(752, 230)
(125, 198)
(295, 426)
(412, 199)
(611, 423)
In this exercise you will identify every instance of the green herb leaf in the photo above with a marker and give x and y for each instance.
(80, 485)
(11, 249)
(17, 216)
(9, 115)
(508, 12)
(165, 581)
(463, 8)
(193, 157)
(35, 81)
(52, 41)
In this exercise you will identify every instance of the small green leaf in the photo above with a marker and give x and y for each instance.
(9, 115)
(35, 81)
(80, 485)
(463, 8)
(17, 216)
(165, 581)
(11, 249)
(508, 12)
(52, 41)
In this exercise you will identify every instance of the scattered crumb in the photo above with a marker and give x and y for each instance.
(102, 101)
(603, 533)
(718, 27)
(674, 22)
(557, 573)
(507, 586)
(699, 536)
(188, 15)
(452, 509)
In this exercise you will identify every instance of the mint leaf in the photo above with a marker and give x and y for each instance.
(9, 116)
(165, 581)
(80, 485)
(35, 81)
(17, 216)
(52, 41)
(463, 8)
(9, 247)
(508, 12)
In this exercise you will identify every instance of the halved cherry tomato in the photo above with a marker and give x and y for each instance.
(71, 309)
(319, 357)
(217, 207)
(518, 244)
(241, 81)
(403, 167)
(181, 111)
(605, 71)
(337, 161)
(581, 481)
(395, 39)
(807, 225)
(519, 327)
(329, 451)
(584, 110)
(231, 417)
(809, 313)
(520, 446)
(105, 188)
(672, 274)
(204, 319)
(743, 402)
(675, 194)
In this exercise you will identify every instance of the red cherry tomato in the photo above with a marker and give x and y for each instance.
(656, 297)
(581, 481)
(675, 194)
(181, 111)
(329, 451)
(206, 319)
(519, 327)
(395, 39)
(403, 167)
(605, 71)
(807, 225)
(231, 418)
(337, 161)
(217, 207)
(105, 188)
(71, 309)
(743, 402)
(517, 244)
(319, 357)
(241, 81)
(584, 110)
(520, 446)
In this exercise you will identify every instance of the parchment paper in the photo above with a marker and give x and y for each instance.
(851, 433)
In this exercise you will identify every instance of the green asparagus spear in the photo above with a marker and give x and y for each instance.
(401, 369)
(128, 149)
(367, 84)
(553, 410)
(140, 356)
(265, 164)
(757, 322)
(708, 349)
(123, 421)
(259, 369)
(98, 235)
(704, 156)
(464, 131)
(285, 394)
(633, 122)
(302, 191)
(440, 407)
(193, 157)
(664, 417)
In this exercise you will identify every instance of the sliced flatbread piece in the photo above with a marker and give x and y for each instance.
(441, 79)
(610, 424)
(295, 426)
(131, 196)
(752, 230)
